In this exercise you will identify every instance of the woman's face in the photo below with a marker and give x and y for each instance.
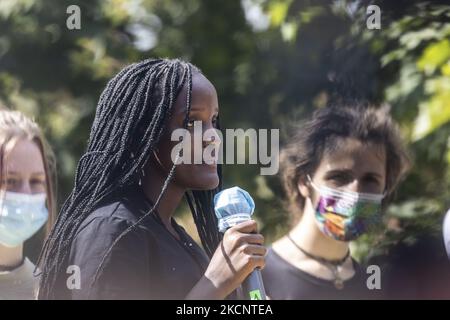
(25, 171)
(353, 166)
(204, 108)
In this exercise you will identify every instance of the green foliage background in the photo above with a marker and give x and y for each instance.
(273, 62)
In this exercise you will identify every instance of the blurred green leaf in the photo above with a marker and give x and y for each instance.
(277, 11)
(434, 56)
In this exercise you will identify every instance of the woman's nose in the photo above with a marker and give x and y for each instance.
(25, 188)
(354, 186)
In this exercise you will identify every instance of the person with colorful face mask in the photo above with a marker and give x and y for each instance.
(26, 203)
(338, 171)
(346, 215)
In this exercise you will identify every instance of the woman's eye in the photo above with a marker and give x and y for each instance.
(340, 179)
(214, 122)
(372, 180)
(37, 182)
(12, 182)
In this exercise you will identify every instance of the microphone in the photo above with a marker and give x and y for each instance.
(233, 206)
(446, 232)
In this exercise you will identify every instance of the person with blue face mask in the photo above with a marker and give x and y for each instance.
(338, 172)
(26, 201)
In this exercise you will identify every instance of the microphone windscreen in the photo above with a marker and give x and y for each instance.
(232, 206)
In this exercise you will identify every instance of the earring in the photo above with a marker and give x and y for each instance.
(140, 178)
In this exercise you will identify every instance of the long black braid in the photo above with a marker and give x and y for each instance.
(131, 116)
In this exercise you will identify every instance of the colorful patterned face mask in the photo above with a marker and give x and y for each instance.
(346, 215)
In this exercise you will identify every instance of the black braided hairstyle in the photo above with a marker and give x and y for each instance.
(130, 118)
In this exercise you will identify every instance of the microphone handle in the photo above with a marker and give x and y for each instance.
(253, 286)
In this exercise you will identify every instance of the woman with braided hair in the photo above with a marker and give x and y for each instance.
(116, 231)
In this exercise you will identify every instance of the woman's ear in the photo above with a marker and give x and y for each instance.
(303, 187)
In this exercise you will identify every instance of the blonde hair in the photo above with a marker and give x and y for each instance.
(15, 126)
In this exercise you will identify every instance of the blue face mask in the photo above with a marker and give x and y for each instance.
(21, 216)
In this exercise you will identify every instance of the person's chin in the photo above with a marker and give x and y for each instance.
(206, 180)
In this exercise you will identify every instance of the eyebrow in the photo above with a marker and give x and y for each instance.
(38, 173)
(34, 173)
(200, 108)
(371, 173)
(216, 110)
(13, 173)
(334, 171)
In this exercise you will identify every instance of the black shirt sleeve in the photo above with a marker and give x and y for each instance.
(125, 271)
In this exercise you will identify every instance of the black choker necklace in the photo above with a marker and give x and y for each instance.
(332, 265)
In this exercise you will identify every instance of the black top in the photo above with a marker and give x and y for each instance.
(147, 263)
(283, 281)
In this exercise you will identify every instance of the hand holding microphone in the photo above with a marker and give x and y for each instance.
(241, 253)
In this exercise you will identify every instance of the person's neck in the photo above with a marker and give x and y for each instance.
(10, 257)
(310, 238)
(152, 185)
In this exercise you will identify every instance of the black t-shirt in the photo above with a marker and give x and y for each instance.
(284, 281)
(147, 263)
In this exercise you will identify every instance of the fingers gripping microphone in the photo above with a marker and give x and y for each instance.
(233, 206)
